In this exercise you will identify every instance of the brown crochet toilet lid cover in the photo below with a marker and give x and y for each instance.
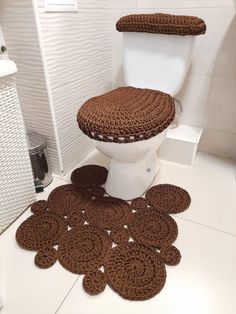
(160, 23)
(126, 115)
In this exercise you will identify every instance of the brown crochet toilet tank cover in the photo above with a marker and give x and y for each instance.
(160, 23)
(126, 115)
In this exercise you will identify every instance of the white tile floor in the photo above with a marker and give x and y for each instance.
(203, 283)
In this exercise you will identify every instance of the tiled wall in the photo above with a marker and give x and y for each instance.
(209, 93)
(20, 33)
(78, 50)
(220, 128)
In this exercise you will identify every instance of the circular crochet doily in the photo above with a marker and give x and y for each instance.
(94, 282)
(134, 271)
(89, 176)
(168, 198)
(83, 249)
(40, 231)
(39, 207)
(45, 258)
(75, 218)
(170, 255)
(139, 203)
(67, 198)
(120, 235)
(126, 115)
(150, 227)
(108, 212)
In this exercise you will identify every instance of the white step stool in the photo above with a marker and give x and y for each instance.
(181, 144)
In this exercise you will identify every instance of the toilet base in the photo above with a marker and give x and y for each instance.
(128, 180)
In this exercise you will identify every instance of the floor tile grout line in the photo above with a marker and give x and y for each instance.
(206, 226)
(64, 299)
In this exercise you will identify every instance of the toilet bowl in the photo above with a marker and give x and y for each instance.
(128, 125)
(133, 166)
(155, 60)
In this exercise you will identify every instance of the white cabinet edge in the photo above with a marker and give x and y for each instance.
(7, 67)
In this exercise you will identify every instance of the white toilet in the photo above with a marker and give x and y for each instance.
(157, 62)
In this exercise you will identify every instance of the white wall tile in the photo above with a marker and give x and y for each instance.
(206, 47)
(116, 39)
(123, 4)
(117, 62)
(194, 97)
(56, 32)
(76, 151)
(67, 100)
(75, 44)
(222, 105)
(78, 50)
(94, 4)
(2, 41)
(16, 4)
(40, 3)
(183, 3)
(225, 65)
(118, 77)
(219, 143)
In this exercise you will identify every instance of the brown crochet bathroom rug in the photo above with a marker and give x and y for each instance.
(126, 245)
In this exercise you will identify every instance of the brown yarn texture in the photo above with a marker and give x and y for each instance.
(170, 255)
(41, 231)
(66, 198)
(120, 235)
(75, 218)
(108, 212)
(134, 271)
(94, 283)
(39, 207)
(139, 203)
(82, 250)
(98, 191)
(89, 176)
(150, 227)
(132, 242)
(168, 198)
(126, 115)
(159, 23)
(46, 258)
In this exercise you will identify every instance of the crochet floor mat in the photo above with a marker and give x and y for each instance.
(127, 245)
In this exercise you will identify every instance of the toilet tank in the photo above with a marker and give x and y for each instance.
(156, 61)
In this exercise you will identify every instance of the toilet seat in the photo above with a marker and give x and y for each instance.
(160, 23)
(126, 115)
